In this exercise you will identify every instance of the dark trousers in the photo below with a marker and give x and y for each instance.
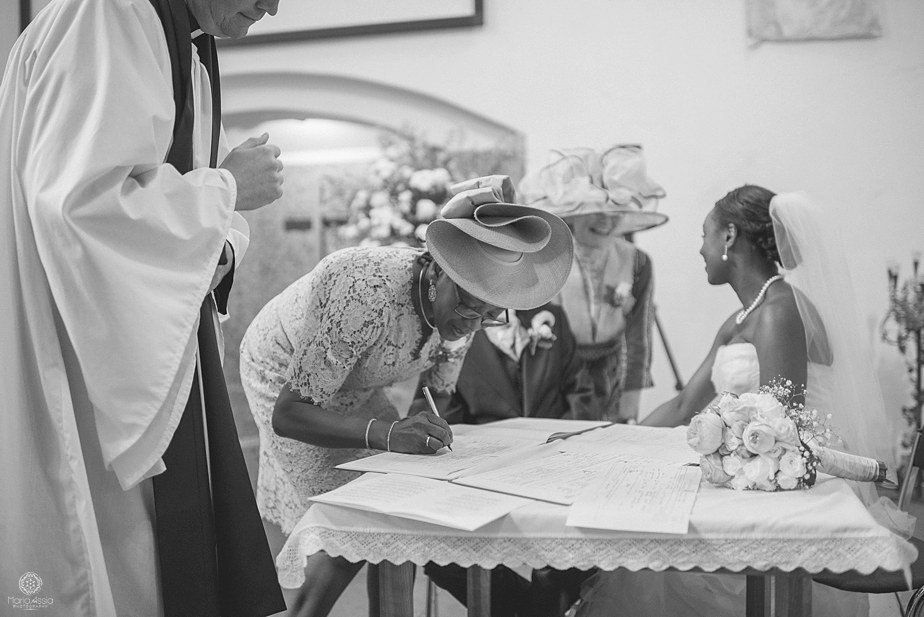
(549, 594)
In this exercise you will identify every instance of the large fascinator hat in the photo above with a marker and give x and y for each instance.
(580, 181)
(503, 253)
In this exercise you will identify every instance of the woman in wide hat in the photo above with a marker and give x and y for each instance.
(317, 358)
(605, 197)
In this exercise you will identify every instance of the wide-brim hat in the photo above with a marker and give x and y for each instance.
(581, 181)
(503, 253)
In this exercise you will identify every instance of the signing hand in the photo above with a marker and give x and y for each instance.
(257, 171)
(423, 433)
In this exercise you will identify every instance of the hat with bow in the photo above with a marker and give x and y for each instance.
(581, 181)
(503, 253)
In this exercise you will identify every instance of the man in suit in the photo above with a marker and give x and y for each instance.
(527, 368)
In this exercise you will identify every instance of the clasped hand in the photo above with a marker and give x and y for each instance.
(422, 433)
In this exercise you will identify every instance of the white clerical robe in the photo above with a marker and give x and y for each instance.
(106, 253)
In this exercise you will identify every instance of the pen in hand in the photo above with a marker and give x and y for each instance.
(429, 397)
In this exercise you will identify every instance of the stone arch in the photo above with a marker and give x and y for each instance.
(245, 101)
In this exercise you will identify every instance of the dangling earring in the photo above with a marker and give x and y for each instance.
(431, 292)
(725, 254)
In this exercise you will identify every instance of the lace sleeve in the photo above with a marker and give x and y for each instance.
(345, 316)
(444, 373)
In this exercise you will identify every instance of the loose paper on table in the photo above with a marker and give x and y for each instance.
(423, 499)
(638, 496)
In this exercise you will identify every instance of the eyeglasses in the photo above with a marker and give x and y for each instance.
(487, 321)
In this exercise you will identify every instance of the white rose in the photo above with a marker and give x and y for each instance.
(732, 464)
(761, 469)
(732, 441)
(769, 407)
(740, 482)
(705, 432)
(758, 437)
(785, 482)
(712, 468)
(733, 410)
(792, 464)
(737, 427)
(748, 402)
(786, 430)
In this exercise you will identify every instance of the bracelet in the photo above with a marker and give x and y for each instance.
(368, 426)
(388, 436)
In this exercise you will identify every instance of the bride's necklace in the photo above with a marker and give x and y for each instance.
(743, 314)
(423, 311)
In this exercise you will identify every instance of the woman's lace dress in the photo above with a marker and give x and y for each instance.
(656, 594)
(339, 335)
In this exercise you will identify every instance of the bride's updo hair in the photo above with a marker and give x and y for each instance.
(748, 209)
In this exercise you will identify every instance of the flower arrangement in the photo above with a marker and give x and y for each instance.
(540, 331)
(768, 441)
(402, 193)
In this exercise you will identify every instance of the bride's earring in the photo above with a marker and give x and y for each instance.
(431, 292)
(725, 254)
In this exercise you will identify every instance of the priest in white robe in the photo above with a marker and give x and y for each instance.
(118, 237)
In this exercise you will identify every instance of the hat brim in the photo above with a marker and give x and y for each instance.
(528, 282)
(631, 220)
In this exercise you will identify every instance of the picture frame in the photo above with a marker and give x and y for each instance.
(326, 19)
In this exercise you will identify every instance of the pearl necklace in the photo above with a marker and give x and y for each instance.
(420, 298)
(743, 314)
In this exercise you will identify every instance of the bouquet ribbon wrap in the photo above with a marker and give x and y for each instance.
(849, 466)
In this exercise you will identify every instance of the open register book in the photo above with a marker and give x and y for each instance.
(515, 458)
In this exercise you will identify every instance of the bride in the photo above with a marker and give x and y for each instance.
(798, 321)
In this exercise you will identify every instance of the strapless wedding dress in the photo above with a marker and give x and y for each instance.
(656, 594)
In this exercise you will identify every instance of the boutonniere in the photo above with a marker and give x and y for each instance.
(617, 296)
(540, 331)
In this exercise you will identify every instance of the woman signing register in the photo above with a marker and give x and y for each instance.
(316, 359)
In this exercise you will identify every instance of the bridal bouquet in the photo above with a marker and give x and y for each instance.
(767, 441)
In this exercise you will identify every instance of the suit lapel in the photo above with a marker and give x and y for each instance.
(488, 369)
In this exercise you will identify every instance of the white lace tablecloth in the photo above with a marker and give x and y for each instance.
(825, 527)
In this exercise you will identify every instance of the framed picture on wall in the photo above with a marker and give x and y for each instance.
(298, 20)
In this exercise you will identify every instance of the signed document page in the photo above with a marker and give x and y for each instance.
(423, 499)
(556, 476)
(638, 496)
(468, 450)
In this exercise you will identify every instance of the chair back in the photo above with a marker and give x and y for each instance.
(915, 462)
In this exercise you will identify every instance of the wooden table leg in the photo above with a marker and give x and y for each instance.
(479, 592)
(784, 594)
(396, 589)
(792, 595)
(757, 597)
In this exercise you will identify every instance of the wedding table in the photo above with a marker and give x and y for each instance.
(777, 539)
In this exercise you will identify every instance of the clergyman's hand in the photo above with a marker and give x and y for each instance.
(257, 171)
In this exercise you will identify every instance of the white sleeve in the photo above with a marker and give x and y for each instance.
(128, 244)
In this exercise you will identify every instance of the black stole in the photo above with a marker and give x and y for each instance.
(212, 549)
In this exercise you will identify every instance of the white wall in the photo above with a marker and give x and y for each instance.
(842, 120)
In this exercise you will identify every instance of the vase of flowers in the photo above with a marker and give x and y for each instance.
(402, 193)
